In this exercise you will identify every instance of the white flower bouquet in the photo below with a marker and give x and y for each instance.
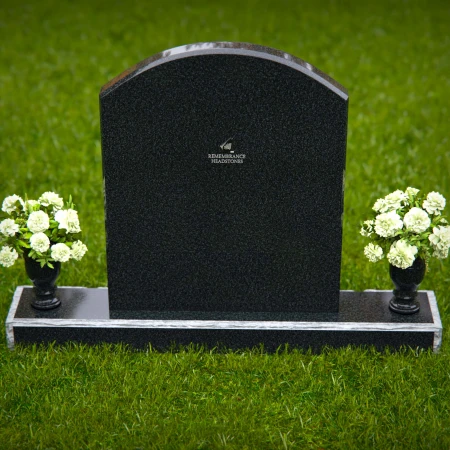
(44, 230)
(406, 226)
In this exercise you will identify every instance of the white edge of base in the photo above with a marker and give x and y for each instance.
(10, 318)
(437, 321)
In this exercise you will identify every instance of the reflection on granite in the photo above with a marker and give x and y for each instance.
(76, 303)
(84, 303)
(369, 307)
(205, 48)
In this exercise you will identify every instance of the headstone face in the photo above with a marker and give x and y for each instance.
(223, 175)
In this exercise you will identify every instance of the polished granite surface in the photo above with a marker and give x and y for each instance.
(76, 303)
(84, 303)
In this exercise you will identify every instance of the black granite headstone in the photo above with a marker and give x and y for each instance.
(223, 172)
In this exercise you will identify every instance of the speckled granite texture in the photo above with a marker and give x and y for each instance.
(188, 234)
(364, 318)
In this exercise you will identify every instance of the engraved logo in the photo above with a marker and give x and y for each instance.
(228, 156)
(227, 145)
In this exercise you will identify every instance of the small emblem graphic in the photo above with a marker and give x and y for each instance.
(227, 145)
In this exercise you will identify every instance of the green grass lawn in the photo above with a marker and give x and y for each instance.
(394, 58)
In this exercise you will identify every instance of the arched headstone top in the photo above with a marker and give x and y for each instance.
(226, 48)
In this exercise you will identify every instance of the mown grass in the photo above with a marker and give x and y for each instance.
(108, 397)
(394, 58)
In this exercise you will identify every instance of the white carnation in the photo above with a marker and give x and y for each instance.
(51, 199)
(10, 203)
(416, 220)
(8, 227)
(38, 221)
(60, 252)
(387, 224)
(411, 191)
(373, 252)
(68, 219)
(8, 256)
(434, 203)
(391, 202)
(440, 239)
(394, 201)
(402, 254)
(40, 242)
(78, 250)
(379, 205)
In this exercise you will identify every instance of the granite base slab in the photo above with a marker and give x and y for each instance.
(363, 319)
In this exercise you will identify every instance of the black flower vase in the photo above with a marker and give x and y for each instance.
(406, 282)
(44, 279)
